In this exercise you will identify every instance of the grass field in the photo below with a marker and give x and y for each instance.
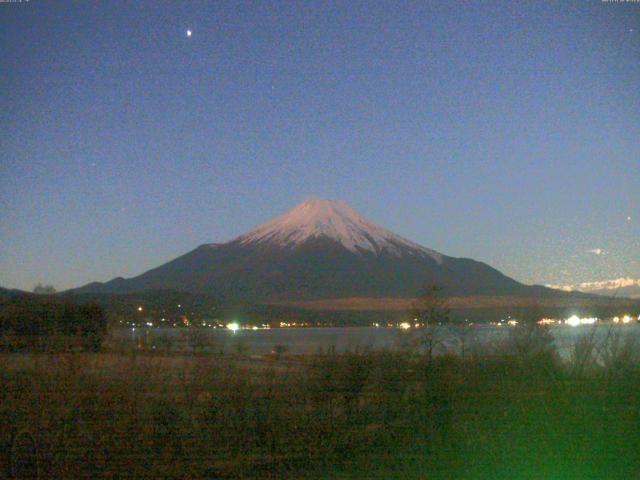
(508, 415)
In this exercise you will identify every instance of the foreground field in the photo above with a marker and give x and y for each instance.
(509, 416)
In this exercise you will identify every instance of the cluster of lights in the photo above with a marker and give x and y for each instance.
(624, 319)
(234, 327)
(547, 321)
(512, 322)
(575, 321)
(294, 324)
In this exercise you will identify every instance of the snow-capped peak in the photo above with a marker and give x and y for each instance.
(326, 218)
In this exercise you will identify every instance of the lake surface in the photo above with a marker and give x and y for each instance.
(355, 339)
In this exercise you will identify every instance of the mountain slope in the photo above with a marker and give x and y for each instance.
(319, 249)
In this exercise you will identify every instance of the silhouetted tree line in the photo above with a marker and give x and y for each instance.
(41, 289)
(30, 322)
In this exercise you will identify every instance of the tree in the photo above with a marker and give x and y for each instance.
(37, 321)
(431, 310)
(530, 341)
(464, 332)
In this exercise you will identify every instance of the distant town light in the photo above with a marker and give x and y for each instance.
(575, 321)
(546, 321)
(234, 327)
(405, 325)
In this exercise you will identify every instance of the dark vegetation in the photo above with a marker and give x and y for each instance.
(514, 412)
(41, 289)
(44, 322)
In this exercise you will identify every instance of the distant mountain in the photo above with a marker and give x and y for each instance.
(320, 249)
(624, 287)
(12, 292)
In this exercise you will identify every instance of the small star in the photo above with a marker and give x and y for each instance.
(628, 219)
(189, 33)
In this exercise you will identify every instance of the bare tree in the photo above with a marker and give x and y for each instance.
(465, 334)
(431, 310)
(529, 339)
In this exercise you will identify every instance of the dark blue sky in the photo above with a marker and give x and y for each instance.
(508, 132)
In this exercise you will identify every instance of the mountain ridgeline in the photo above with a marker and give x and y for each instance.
(320, 249)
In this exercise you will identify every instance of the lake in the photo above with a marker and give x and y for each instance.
(353, 339)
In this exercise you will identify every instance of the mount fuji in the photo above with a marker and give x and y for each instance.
(320, 249)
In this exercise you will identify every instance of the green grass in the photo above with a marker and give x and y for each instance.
(376, 415)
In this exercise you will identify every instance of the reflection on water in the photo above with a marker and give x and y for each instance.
(350, 339)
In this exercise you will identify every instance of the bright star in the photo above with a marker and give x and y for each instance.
(188, 33)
